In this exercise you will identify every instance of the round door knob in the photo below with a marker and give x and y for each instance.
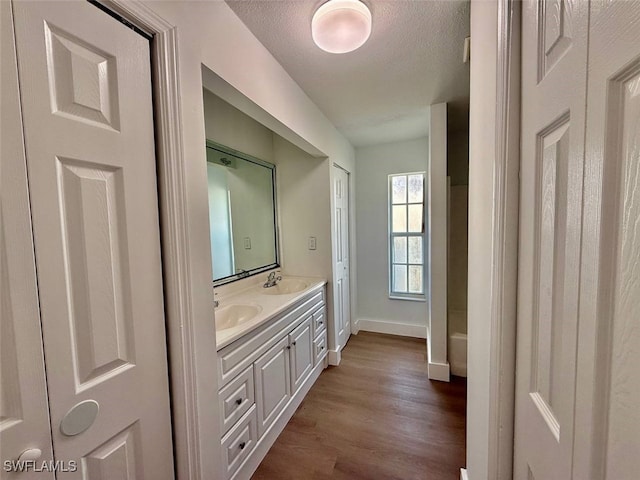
(30, 455)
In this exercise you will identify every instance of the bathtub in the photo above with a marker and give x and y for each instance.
(458, 354)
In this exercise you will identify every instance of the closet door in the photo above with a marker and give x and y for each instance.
(24, 415)
(88, 120)
(554, 73)
(608, 389)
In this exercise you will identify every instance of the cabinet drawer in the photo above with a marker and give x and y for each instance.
(236, 398)
(319, 321)
(239, 442)
(235, 357)
(319, 348)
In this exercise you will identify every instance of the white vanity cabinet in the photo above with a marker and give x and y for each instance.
(264, 375)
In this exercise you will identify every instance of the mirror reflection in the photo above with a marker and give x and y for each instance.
(242, 215)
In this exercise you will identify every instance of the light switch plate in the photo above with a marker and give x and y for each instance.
(247, 243)
(312, 243)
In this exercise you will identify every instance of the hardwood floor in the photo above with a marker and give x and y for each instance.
(375, 417)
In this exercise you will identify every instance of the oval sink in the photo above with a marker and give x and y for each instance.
(236, 314)
(284, 287)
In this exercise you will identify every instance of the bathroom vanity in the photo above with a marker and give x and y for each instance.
(272, 346)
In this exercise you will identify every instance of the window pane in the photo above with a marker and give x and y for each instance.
(399, 189)
(400, 250)
(415, 188)
(415, 250)
(400, 278)
(415, 279)
(415, 218)
(399, 214)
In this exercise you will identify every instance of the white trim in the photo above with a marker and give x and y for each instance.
(193, 427)
(463, 474)
(439, 371)
(334, 357)
(391, 328)
(492, 363)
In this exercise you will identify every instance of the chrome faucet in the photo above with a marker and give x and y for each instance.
(272, 280)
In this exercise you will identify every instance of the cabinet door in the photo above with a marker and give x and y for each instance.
(301, 343)
(273, 390)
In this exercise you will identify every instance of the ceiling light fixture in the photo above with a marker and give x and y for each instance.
(341, 26)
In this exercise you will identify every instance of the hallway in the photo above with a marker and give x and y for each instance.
(375, 417)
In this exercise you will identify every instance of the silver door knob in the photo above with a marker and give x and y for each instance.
(30, 455)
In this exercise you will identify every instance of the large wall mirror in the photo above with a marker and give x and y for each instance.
(242, 214)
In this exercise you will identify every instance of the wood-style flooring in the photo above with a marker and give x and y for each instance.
(375, 417)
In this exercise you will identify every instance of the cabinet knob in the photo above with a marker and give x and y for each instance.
(294, 343)
(242, 445)
(239, 401)
(288, 347)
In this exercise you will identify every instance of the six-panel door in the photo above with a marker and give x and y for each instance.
(89, 137)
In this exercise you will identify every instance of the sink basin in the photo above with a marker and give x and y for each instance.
(284, 287)
(236, 314)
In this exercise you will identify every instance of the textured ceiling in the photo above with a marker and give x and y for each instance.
(380, 92)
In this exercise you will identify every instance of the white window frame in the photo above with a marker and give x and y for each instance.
(420, 297)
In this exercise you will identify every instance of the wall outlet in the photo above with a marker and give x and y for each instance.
(312, 243)
(247, 243)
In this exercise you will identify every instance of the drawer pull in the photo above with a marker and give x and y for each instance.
(239, 401)
(242, 445)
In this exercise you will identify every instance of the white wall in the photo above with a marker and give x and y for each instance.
(458, 259)
(225, 124)
(303, 197)
(212, 40)
(376, 311)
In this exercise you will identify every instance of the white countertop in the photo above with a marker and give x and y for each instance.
(271, 306)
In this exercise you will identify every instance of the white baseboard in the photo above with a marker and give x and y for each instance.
(390, 327)
(334, 357)
(439, 371)
(463, 474)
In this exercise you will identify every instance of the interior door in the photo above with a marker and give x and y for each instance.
(554, 61)
(608, 391)
(342, 298)
(24, 414)
(86, 94)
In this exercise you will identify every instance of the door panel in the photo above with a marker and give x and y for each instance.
(554, 40)
(341, 231)
(24, 414)
(90, 153)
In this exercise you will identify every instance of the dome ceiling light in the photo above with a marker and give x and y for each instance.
(341, 26)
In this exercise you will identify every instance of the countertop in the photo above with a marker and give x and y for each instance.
(272, 305)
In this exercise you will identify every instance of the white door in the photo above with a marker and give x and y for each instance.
(608, 388)
(24, 414)
(86, 95)
(578, 388)
(554, 55)
(342, 298)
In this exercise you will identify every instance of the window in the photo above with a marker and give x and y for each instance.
(406, 236)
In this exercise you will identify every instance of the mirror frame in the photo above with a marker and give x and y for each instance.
(244, 156)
